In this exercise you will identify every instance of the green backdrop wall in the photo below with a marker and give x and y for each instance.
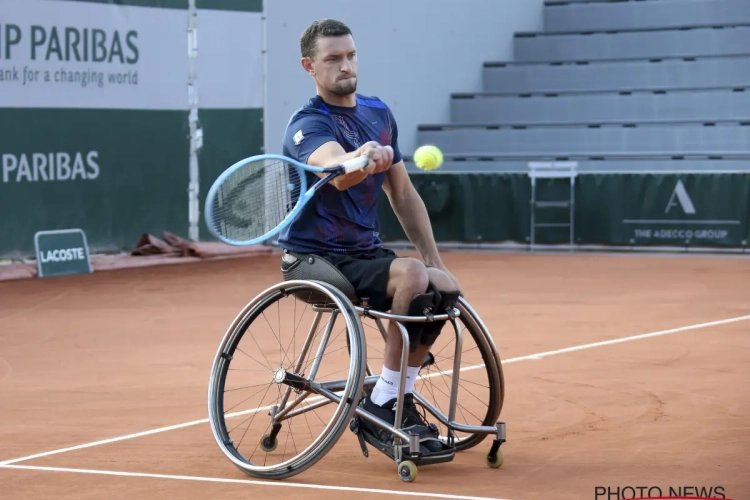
(610, 209)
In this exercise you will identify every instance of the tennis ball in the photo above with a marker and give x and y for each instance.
(428, 157)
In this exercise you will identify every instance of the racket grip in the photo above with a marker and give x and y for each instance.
(355, 164)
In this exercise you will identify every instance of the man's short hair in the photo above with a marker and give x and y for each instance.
(320, 29)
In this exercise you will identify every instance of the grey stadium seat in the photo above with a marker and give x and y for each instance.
(622, 75)
(634, 165)
(565, 141)
(705, 106)
(632, 45)
(639, 15)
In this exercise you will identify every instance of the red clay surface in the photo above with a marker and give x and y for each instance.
(94, 357)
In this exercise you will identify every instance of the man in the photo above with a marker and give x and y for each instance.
(342, 226)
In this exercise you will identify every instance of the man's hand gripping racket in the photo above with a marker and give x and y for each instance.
(256, 198)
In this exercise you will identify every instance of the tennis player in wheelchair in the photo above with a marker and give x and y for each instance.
(340, 227)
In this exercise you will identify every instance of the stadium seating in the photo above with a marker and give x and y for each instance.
(652, 74)
(713, 105)
(580, 16)
(671, 42)
(608, 80)
(672, 140)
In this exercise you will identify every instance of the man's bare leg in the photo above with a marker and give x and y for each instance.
(408, 278)
(443, 283)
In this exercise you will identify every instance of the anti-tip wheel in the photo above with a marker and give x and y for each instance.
(497, 462)
(407, 471)
(268, 444)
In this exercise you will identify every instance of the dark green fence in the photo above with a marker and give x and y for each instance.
(113, 173)
(611, 209)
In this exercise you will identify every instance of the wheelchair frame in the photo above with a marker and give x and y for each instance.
(359, 379)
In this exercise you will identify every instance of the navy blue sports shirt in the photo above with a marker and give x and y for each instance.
(339, 221)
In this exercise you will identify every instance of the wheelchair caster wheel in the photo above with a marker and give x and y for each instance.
(268, 443)
(407, 471)
(494, 461)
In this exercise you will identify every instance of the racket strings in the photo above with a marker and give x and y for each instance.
(256, 198)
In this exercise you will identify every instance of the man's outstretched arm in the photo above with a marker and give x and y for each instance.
(310, 138)
(331, 154)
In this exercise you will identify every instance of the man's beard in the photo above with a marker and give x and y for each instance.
(345, 87)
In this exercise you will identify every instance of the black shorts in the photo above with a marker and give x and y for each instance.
(368, 272)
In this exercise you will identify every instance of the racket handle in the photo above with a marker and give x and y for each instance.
(355, 164)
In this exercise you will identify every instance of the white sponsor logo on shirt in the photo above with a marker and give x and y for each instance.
(298, 137)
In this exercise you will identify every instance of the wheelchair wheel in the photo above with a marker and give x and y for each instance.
(283, 388)
(481, 388)
(493, 370)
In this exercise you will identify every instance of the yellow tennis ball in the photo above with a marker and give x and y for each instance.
(428, 157)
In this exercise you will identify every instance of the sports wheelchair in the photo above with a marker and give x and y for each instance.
(286, 408)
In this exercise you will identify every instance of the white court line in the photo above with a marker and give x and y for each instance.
(537, 356)
(627, 339)
(129, 436)
(252, 482)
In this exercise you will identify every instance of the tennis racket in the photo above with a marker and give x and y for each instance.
(256, 198)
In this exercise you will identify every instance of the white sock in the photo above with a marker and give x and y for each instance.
(386, 388)
(412, 372)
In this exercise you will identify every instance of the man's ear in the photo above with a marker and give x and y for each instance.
(307, 65)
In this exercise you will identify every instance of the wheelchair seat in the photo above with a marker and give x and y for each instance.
(309, 267)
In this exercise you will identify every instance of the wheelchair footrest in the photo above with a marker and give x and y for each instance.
(445, 454)
(437, 457)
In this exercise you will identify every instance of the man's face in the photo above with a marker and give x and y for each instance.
(335, 65)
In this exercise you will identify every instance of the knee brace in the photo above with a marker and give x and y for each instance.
(421, 305)
(445, 301)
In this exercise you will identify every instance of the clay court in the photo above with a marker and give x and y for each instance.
(620, 371)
